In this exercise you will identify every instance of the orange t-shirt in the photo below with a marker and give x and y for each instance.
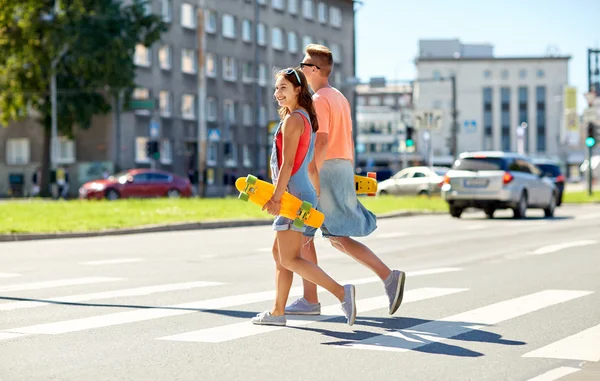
(335, 119)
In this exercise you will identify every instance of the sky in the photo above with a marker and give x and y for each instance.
(388, 32)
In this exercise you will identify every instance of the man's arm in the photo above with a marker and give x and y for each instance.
(321, 144)
(322, 141)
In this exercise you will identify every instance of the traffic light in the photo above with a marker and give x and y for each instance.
(152, 150)
(409, 137)
(590, 141)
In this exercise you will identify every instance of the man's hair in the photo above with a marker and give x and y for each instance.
(322, 57)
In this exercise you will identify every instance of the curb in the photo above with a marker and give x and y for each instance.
(185, 226)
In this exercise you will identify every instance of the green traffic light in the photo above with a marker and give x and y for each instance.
(590, 142)
(410, 143)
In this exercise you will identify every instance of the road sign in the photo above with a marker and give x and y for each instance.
(214, 135)
(141, 104)
(470, 126)
(428, 119)
(154, 129)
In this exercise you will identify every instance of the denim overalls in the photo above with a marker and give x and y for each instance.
(299, 184)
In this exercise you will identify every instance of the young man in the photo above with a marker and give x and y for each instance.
(345, 216)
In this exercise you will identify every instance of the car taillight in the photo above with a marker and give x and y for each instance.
(560, 179)
(446, 180)
(507, 178)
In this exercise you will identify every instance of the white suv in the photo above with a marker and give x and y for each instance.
(497, 180)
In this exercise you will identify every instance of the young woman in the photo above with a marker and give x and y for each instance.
(294, 170)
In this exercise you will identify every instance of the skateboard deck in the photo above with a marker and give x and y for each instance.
(259, 192)
(366, 184)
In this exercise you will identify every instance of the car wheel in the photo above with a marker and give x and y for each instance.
(521, 209)
(112, 195)
(423, 192)
(383, 193)
(455, 211)
(489, 212)
(559, 199)
(549, 210)
(173, 193)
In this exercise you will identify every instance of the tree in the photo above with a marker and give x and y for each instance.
(97, 39)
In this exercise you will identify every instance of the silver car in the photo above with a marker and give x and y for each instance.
(413, 181)
(497, 180)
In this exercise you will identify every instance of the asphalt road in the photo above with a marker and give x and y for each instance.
(498, 299)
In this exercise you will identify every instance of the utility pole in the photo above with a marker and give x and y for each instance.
(593, 88)
(454, 130)
(258, 96)
(201, 144)
(54, 125)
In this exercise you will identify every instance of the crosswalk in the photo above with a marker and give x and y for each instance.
(581, 346)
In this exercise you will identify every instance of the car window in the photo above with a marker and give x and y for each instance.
(401, 175)
(419, 174)
(158, 177)
(480, 164)
(140, 178)
(519, 165)
(440, 172)
(549, 170)
(534, 169)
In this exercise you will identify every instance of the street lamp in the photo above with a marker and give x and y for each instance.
(54, 132)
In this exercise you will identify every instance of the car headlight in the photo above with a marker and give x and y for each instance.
(97, 186)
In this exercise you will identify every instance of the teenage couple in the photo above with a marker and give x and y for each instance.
(312, 158)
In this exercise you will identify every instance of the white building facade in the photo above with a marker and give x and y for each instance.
(494, 96)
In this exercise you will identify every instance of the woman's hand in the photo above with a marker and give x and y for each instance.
(273, 206)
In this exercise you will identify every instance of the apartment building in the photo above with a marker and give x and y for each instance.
(247, 41)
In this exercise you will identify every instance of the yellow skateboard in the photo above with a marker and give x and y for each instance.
(259, 192)
(366, 184)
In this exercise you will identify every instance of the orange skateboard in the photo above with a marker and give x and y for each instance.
(366, 184)
(259, 192)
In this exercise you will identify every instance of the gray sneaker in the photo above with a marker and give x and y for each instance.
(349, 303)
(394, 288)
(302, 307)
(265, 318)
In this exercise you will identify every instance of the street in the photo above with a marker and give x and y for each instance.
(499, 299)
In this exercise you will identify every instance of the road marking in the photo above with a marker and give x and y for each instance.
(441, 330)
(561, 246)
(8, 275)
(139, 291)
(119, 318)
(555, 374)
(245, 329)
(56, 283)
(584, 346)
(111, 261)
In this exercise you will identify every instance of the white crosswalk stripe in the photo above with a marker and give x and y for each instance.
(584, 346)
(56, 283)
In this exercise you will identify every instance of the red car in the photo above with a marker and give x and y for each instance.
(137, 183)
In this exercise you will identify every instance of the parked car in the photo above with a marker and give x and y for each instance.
(497, 180)
(552, 170)
(413, 181)
(137, 183)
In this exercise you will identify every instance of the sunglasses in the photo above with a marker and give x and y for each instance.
(302, 64)
(290, 71)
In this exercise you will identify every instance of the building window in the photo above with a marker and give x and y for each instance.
(211, 109)
(540, 73)
(522, 73)
(164, 103)
(188, 17)
(247, 114)
(247, 72)
(228, 26)
(261, 37)
(540, 98)
(166, 151)
(140, 149)
(246, 156)
(211, 157)
(306, 40)
(504, 74)
(262, 2)
(308, 9)
(188, 61)
(278, 4)
(164, 57)
(437, 75)
(229, 70)
(210, 22)
(262, 116)
(17, 151)
(229, 111)
(389, 100)
(488, 136)
(141, 93)
(66, 150)
(293, 7)
(262, 74)
(523, 115)
(211, 65)
(336, 52)
(322, 13)
(277, 38)
(292, 42)
(143, 56)
(230, 154)
(335, 17)
(505, 118)
(487, 74)
(374, 100)
(247, 31)
(188, 106)
(167, 10)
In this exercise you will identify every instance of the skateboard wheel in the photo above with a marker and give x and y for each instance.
(372, 175)
(244, 196)
(306, 206)
(298, 223)
(251, 179)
